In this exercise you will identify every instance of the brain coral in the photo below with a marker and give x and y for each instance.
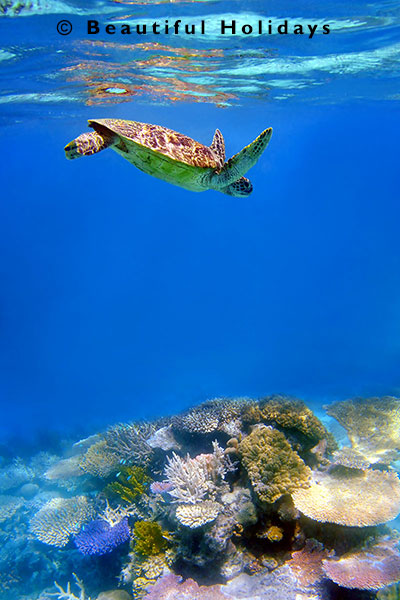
(369, 569)
(60, 518)
(372, 425)
(350, 497)
(273, 467)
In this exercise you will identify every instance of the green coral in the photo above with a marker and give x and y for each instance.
(149, 538)
(290, 414)
(131, 484)
(272, 465)
(372, 425)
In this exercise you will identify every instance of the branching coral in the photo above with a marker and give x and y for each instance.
(149, 538)
(372, 425)
(369, 569)
(350, 497)
(60, 518)
(128, 442)
(68, 594)
(273, 467)
(194, 478)
(171, 587)
(131, 484)
(9, 506)
(219, 414)
(196, 515)
(99, 537)
(99, 461)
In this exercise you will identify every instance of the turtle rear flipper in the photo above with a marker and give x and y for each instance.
(241, 187)
(87, 144)
(240, 163)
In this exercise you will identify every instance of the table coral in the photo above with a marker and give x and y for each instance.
(372, 425)
(350, 497)
(369, 569)
(196, 515)
(273, 467)
(60, 518)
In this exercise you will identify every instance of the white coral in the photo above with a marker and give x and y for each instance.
(196, 515)
(188, 477)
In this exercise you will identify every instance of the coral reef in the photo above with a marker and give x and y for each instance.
(196, 515)
(372, 568)
(60, 518)
(99, 461)
(292, 415)
(219, 414)
(99, 537)
(132, 483)
(255, 502)
(372, 425)
(350, 497)
(128, 442)
(273, 467)
(149, 538)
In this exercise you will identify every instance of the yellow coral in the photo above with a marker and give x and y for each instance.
(196, 515)
(274, 534)
(274, 468)
(372, 425)
(289, 413)
(99, 461)
(149, 538)
(131, 484)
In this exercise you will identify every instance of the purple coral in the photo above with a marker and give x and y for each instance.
(99, 537)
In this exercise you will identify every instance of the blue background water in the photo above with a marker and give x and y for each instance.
(123, 296)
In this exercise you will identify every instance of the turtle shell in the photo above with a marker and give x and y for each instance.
(171, 144)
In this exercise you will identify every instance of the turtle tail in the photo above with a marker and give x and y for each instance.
(87, 144)
(240, 163)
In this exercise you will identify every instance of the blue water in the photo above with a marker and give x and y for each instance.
(124, 297)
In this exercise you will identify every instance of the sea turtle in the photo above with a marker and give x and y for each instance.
(172, 156)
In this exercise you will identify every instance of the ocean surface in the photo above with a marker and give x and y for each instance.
(123, 297)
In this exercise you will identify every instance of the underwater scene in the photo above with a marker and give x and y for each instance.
(199, 300)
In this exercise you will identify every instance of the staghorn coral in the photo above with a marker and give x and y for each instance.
(99, 461)
(149, 538)
(67, 594)
(60, 518)
(197, 515)
(15, 475)
(350, 497)
(194, 478)
(372, 425)
(9, 506)
(131, 485)
(219, 414)
(289, 414)
(273, 467)
(370, 569)
(128, 442)
(99, 537)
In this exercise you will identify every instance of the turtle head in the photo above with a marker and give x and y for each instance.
(86, 144)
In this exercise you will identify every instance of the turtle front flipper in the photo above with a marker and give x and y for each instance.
(240, 163)
(241, 187)
(87, 144)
